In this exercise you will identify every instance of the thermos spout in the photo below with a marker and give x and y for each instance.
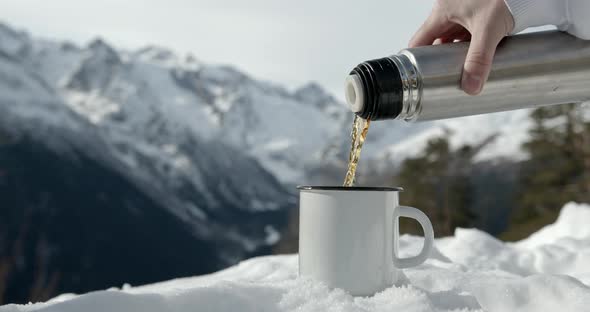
(354, 93)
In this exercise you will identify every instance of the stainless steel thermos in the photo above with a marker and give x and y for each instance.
(528, 70)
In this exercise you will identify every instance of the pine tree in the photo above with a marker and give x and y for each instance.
(558, 168)
(438, 182)
(4, 138)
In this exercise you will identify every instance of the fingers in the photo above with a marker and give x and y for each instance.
(478, 62)
(427, 33)
(464, 37)
(443, 40)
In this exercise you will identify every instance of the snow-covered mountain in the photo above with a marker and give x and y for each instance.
(155, 94)
(91, 101)
(153, 123)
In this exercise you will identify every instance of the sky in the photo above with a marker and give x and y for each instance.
(286, 42)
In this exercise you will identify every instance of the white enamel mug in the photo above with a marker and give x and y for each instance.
(348, 237)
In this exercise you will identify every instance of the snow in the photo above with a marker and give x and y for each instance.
(13, 42)
(572, 224)
(470, 271)
(408, 140)
(92, 105)
(272, 235)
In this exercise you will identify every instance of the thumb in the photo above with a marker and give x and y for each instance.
(478, 62)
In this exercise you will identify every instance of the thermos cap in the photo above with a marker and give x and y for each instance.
(374, 89)
(354, 93)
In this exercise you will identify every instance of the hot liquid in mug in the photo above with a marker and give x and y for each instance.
(348, 237)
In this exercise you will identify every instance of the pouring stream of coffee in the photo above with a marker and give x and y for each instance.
(360, 127)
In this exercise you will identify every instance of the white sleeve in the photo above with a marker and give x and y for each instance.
(572, 16)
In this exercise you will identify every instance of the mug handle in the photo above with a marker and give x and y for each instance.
(410, 212)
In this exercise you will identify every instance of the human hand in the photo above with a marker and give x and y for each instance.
(483, 22)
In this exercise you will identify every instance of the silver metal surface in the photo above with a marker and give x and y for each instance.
(412, 86)
(529, 70)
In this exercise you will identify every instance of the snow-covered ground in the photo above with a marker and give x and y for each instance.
(471, 271)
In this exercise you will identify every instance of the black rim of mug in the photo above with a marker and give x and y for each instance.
(349, 188)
